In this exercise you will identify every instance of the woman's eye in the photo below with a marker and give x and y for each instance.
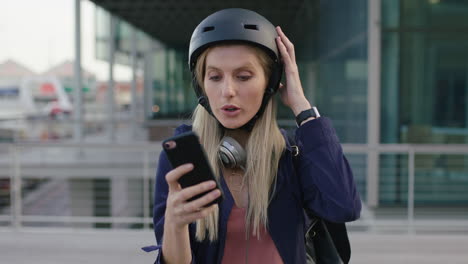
(244, 77)
(214, 78)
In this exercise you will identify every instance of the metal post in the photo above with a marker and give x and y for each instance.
(146, 186)
(148, 83)
(133, 105)
(411, 190)
(15, 194)
(466, 109)
(373, 101)
(78, 92)
(12, 183)
(110, 83)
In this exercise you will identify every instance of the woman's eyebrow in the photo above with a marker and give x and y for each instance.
(246, 66)
(211, 68)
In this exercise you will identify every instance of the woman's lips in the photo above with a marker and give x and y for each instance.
(230, 110)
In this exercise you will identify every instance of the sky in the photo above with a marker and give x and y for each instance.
(40, 35)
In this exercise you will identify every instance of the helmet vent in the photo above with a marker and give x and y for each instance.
(206, 29)
(253, 27)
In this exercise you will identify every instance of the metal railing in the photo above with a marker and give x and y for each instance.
(411, 224)
(69, 176)
(52, 164)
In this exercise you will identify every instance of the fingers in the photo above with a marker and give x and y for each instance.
(201, 202)
(189, 192)
(173, 176)
(199, 214)
(289, 62)
(283, 50)
(183, 213)
(288, 49)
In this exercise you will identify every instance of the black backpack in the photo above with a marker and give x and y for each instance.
(326, 242)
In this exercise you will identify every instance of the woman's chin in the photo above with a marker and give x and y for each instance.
(232, 124)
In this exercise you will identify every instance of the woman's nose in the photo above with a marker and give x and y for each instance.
(228, 89)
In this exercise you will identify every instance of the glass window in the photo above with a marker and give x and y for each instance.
(342, 67)
(425, 73)
(424, 97)
(172, 92)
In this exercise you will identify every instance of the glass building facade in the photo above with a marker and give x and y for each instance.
(333, 70)
(424, 98)
(425, 72)
(423, 88)
(173, 95)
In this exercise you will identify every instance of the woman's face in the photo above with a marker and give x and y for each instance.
(234, 83)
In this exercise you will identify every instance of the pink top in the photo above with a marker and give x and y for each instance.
(261, 250)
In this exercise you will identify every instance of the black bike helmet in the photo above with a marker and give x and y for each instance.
(236, 25)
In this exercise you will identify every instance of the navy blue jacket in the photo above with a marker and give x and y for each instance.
(322, 182)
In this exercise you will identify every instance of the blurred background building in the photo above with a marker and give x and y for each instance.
(386, 72)
(391, 74)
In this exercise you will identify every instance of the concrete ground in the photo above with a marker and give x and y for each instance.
(80, 246)
(370, 248)
(90, 246)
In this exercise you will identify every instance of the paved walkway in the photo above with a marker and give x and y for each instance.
(74, 247)
(87, 246)
(409, 249)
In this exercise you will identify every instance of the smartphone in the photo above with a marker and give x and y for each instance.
(186, 148)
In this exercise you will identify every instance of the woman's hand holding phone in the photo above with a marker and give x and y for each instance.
(192, 185)
(180, 211)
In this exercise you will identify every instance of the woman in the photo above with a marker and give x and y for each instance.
(236, 57)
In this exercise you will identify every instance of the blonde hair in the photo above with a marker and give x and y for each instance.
(264, 149)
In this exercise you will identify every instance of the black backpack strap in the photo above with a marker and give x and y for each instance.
(340, 238)
(291, 135)
(324, 239)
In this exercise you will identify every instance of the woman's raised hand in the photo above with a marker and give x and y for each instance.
(179, 211)
(292, 94)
